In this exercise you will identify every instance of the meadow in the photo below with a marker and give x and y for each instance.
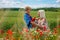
(14, 19)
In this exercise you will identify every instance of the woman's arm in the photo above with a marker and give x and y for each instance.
(33, 23)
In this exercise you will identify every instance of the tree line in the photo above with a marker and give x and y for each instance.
(46, 9)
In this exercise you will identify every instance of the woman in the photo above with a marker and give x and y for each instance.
(42, 21)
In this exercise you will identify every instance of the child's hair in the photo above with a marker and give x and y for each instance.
(27, 8)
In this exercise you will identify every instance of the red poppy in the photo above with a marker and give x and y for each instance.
(33, 19)
(44, 28)
(9, 32)
(41, 33)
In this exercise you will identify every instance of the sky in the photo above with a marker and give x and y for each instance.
(31, 3)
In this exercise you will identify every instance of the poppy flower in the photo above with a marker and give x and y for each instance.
(41, 33)
(44, 28)
(9, 32)
(33, 19)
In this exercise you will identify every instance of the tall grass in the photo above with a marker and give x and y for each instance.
(16, 17)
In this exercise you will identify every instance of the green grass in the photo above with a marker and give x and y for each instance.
(9, 19)
(16, 17)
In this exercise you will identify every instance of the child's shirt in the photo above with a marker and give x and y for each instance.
(28, 19)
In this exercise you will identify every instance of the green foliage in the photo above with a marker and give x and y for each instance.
(7, 26)
(53, 25)
(47, 9)
(15, 16)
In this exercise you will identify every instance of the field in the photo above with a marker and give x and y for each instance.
(17, 17)
(14, 19)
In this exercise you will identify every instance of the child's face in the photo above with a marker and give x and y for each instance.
(28, 11)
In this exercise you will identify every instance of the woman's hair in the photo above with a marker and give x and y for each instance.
(27, 8)
(41, 13)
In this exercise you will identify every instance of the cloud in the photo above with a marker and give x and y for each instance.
(9, 3)
(57, 0)
(41, 5)
(21, 4)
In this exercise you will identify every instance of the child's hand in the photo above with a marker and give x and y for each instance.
(33, 19)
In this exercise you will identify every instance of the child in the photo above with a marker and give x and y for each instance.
(27, 17)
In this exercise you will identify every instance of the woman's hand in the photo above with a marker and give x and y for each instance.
(37, 25)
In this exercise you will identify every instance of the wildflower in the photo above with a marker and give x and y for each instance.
(41, 33)
(9, 32)
(33, 19)
(44, 28)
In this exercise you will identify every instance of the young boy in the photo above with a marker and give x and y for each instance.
(27, 17)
